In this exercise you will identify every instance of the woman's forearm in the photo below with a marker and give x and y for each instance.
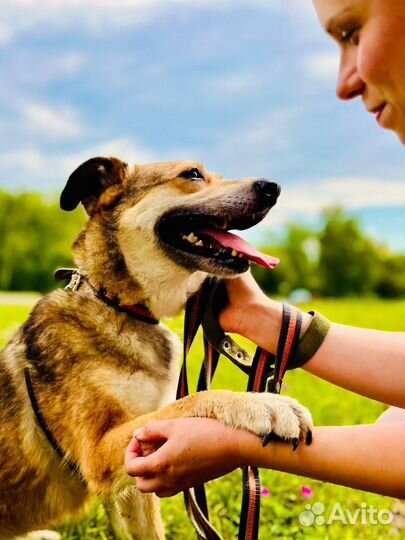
(368, 362)
(367, 457)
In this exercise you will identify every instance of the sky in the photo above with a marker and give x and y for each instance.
(245, 86)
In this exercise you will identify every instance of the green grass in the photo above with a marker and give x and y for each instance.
(280, 510)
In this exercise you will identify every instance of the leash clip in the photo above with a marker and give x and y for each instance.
(74, 282)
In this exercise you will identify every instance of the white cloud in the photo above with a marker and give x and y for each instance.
(50, 123)
(53, 67)
(5, 33)
(348, 192)
(33, 168)
(308, 199)
(322, 66)
(235, 83)
(24, 162)
(129, 150)
(96, 15)
(253, 138)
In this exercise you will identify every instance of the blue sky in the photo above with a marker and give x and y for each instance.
(246, 86)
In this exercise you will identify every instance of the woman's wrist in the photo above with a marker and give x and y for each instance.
(236, 446)
(246, 445)
(251, 452)
(253, 315)
(262, 323)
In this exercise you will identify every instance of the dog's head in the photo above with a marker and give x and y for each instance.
(167, 223)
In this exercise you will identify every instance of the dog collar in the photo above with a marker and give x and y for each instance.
(75, 277)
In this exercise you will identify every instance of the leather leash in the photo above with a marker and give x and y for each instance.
(266, 372)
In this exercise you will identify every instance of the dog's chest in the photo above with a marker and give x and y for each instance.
(149, 378)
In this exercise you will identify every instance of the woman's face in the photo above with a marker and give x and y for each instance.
(371, 38)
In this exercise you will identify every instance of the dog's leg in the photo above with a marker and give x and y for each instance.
(103, 466)
(260, 413)
(135, 516)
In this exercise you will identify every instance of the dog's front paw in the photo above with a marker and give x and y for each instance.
(266, 415)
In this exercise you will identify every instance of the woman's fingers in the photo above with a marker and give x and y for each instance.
(154, 431)
(156, 485)
(192, 451)
(145, 442)
(134, 449)
(144, 466)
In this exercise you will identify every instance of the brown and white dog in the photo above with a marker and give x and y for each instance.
(153, 235)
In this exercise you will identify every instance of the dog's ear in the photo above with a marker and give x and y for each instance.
(95, 182)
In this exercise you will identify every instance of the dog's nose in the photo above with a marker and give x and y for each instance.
(268, 189)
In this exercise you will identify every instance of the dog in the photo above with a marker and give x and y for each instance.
(83, 372)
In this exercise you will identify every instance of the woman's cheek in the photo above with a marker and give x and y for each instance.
(372, 61)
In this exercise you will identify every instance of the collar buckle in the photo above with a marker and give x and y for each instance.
(75, 282)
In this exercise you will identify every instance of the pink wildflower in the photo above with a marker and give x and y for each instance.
(307, 492)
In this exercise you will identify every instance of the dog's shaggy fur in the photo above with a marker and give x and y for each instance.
(98, 374)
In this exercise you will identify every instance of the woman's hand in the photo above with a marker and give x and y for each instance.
(251, 313)
(191, 451)
(169, 456)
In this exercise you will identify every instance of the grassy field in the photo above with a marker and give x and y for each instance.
(284, 503)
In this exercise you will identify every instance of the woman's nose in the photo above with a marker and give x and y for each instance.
(349, 84)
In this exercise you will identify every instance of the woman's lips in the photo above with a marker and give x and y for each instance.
(379, 113)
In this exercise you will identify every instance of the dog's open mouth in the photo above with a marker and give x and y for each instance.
(209, 237)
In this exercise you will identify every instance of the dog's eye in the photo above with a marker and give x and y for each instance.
(192, 174)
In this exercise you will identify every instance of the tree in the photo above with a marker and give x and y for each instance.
(348, 263)
(36, 238)
(390, 281)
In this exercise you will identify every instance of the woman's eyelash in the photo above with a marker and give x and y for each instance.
(349, 36)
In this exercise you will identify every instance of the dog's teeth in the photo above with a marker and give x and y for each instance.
(234, 253)
(199, 243)
(240, 255)
(192, 238)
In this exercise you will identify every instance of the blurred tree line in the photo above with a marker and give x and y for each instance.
(337, 260)
(35, 239)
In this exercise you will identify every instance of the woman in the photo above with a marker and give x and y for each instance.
(371, 39)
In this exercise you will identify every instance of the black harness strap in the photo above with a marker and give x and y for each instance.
(73, 467)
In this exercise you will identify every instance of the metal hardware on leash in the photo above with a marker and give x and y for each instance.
(223, 343)
(229, 348)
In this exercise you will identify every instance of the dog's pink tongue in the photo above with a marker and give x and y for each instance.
(232, 241)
